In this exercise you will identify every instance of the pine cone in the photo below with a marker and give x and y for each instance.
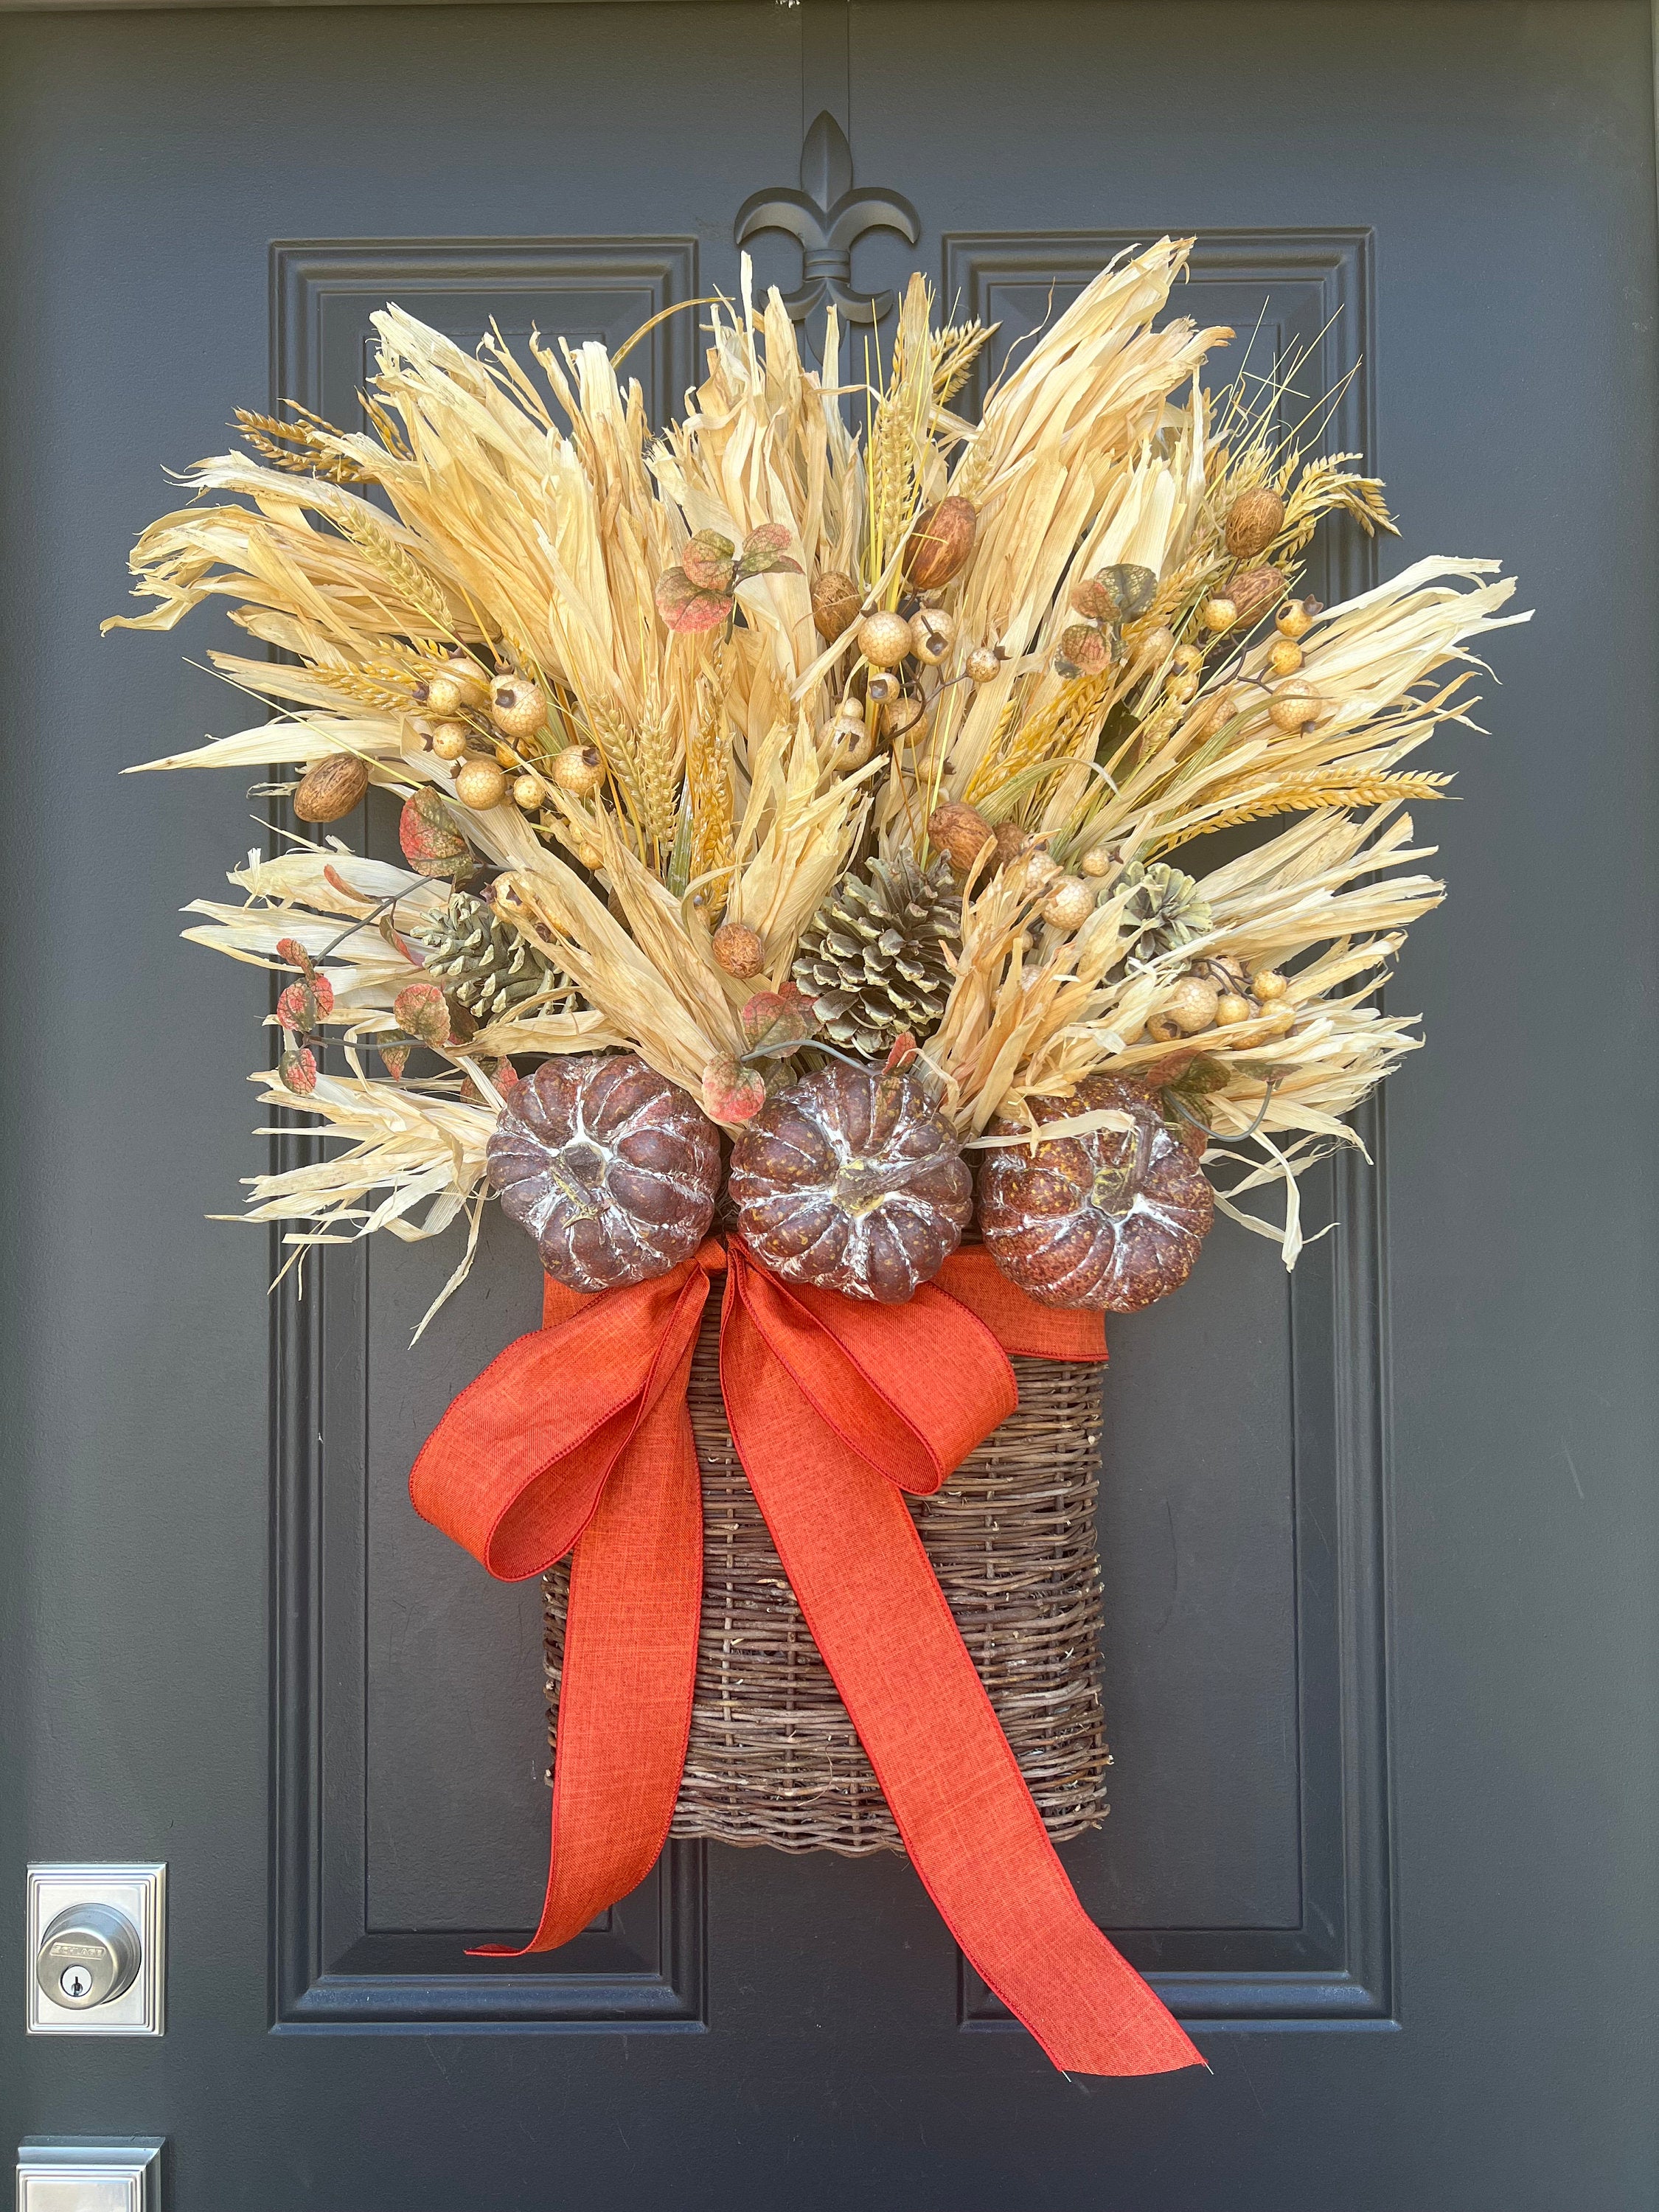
(874, 959)
(480, 964)
(1166, 910)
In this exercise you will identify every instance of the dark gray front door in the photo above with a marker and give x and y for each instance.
(1379, 1543)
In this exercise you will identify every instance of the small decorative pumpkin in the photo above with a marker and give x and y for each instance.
(1113, 1218)
(850, 1180)
(612, 1170)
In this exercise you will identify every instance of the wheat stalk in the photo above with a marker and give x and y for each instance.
(1305, 798)
(298, 448)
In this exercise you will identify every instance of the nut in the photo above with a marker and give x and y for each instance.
(739, 950)
(836, 604)
(529, 791)
(882, 686)
(1230, 1010)
(1253, 521)
(1294, 618)
(331, 787)
(1097, 861)
(1286, 656)
(983, 663)
(1217, 614)
(1253, 591)
(960, 831)
(1269, 985)
(449, 739)
(941, 543)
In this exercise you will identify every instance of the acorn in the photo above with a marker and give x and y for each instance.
(516, 706)
(882, 687)
(529, 791)
(1268, 986)
(1191, 1005)
(739, 950)
(1253, 521)
(941, 543)
(960, 831)
(1286, 656)
(450, 740)
(1096, 862)
(1070, 902)
(1218, 614)
(480, 785)
(331, 787)
(1253, 591)
(1230, 1010)
(1294, 706)
(836, 604)
(1294, 618)
(579, 770)
(983, 663)
(883, 639)
(1012, 843)
(933, 632)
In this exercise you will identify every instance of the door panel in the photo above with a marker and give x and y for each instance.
(1378, 1541)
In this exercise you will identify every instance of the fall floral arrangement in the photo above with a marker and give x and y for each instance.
(804, 834)
(829, 790)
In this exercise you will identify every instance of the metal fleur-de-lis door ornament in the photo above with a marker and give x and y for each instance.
(828, 217)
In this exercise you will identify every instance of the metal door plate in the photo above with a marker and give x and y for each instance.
(54, 2175)
(140, 1892)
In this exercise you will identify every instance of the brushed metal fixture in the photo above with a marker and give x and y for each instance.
(95, 2175)
(97, 1937)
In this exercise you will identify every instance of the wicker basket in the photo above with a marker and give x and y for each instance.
(773, 1758)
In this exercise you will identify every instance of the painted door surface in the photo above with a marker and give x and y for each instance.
(1378, 1541)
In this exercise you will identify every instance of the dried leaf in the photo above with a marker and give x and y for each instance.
(423, 1011)
(687, 608)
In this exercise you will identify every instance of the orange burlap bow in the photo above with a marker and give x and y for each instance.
(578, 1439)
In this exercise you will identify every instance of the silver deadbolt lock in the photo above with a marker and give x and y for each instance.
(88, 1955)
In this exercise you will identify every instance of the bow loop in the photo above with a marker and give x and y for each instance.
(910, 1400)
(514, 1470)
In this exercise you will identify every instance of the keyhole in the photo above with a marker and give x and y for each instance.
(74, 1981)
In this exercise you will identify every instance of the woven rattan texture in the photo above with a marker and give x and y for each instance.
(773, 1756)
